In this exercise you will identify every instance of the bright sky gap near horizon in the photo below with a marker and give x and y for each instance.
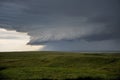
(15, 41)
(60, 25)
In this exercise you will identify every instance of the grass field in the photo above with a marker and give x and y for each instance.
(59, 65)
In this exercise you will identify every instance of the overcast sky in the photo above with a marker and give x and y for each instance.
(64, 25)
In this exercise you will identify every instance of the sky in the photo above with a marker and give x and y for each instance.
(15, 41)
(60, 25)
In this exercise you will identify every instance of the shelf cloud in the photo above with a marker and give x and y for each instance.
(64, 24)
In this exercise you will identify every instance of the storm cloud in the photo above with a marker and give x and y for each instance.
(65, 24)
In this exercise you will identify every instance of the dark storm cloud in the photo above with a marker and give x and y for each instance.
(54, 22)
(82, 45)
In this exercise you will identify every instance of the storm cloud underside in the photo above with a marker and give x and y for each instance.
(70, 25)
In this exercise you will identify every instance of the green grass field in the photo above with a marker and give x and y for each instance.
(59, 65)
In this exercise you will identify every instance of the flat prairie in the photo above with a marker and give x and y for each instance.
(54, 65)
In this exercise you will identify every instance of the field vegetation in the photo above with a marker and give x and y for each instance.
(59, 65)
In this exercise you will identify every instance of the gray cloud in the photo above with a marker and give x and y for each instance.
(54, 22)
(82, 45)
